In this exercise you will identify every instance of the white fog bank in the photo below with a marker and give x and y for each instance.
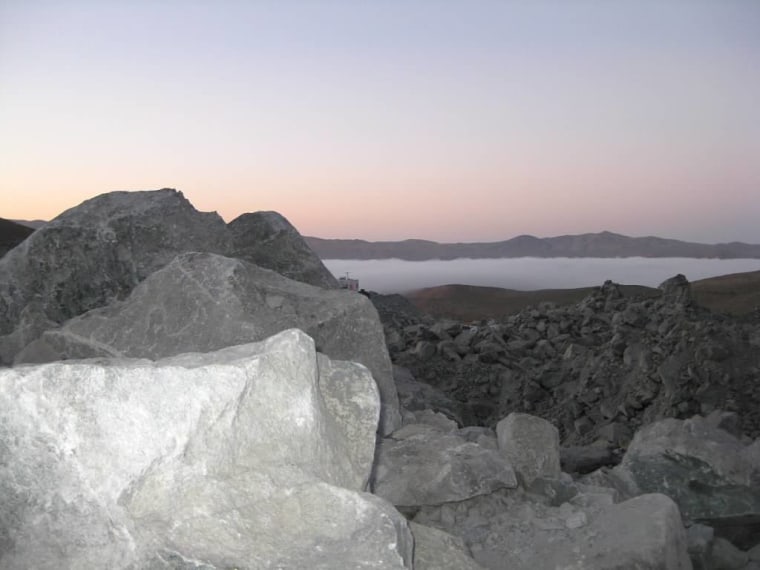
(530, 273)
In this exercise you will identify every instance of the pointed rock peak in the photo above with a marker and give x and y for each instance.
(119, 203)
(676, 289)
(268, 239)
(267, 221)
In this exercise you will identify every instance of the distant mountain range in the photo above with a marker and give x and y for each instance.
(604, 244)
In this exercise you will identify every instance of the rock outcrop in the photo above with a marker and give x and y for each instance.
(421, 465)
(712, 475)
(269, 240)
(203, 302)
(94, 254)
(255, 456)
(97, 252)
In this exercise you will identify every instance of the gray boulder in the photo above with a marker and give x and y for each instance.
(203, 302)
(506, 531)
(255, 456)
(94, 254)
(713, 476)
(269, 240)
(420, 465)
(531, 444)
(438, 550)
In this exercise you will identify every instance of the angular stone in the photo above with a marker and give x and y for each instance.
(269, 240)
(203, 302)
(438, 550)
(531, 445)
(94, 254)
(254, 456)
(429, 468)
(676, 290)
(707, 471)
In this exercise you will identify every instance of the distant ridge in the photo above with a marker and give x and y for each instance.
(12, 234)
(603, 244)
(34, 224)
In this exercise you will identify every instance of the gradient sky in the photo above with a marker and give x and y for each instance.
(391, 119)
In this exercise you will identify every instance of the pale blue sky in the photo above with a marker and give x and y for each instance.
(464, 120)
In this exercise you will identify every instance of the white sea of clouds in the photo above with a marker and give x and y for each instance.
(529, 273)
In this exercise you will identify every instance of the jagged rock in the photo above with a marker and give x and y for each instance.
(254, 456)
(531, 445)
(94, 254)
(269, 240)
(438, 550)
(676, 289)
(714, 477)
(420, 465)
(203, 302)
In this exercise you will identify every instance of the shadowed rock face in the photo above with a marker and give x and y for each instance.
(255, 456)
(203, 302)
(96, 253)
(269, 240)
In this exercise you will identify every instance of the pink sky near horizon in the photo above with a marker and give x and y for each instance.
(471, 121)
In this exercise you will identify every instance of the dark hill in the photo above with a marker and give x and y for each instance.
(737, 293)
(12, 234)
(472, 303)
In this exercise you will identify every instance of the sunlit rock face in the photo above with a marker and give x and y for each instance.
(202, 302)
(254, 456)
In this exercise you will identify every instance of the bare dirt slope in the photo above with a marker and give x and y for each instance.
(736, 294)
(472, 303)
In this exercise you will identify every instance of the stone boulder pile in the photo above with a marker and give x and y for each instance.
(204, 302)
(599, 369)
(97, 252)
(182, 394)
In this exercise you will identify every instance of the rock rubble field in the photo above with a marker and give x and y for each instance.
(180, 393)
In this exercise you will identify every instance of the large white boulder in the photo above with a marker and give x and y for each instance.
(255, 456)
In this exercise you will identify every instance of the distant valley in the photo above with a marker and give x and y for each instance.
(603, 244)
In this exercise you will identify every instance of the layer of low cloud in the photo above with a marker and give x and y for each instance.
(529, 273)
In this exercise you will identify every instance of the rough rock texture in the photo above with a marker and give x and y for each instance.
(598, 370)
(438, 550)
(202, 302)
(417, 396)
(507, 531)
(531, 445)
(268, 239)
(419, 465)
(253, 457)
(94, 254)
(713, 476)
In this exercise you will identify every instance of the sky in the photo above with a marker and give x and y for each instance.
(391, 119)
